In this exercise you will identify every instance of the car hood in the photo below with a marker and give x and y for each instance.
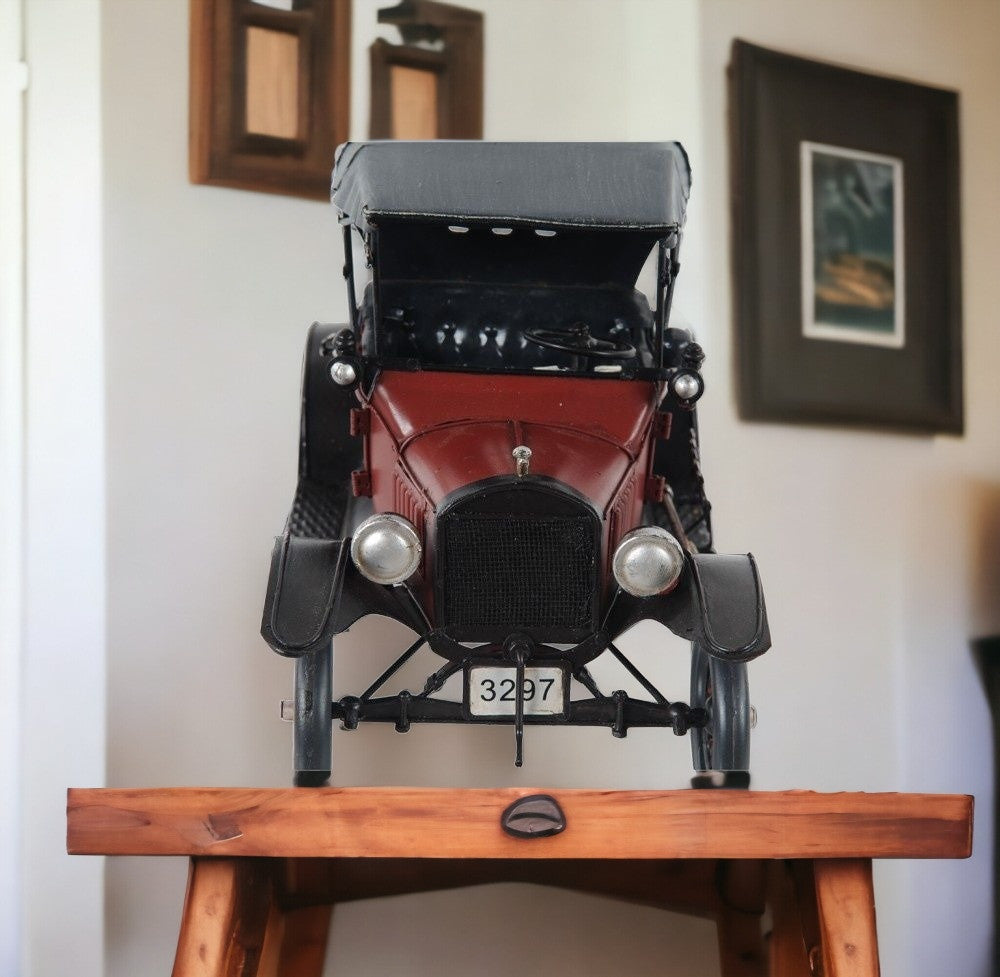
(452, 429)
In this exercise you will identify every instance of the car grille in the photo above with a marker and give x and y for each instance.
(506, 572)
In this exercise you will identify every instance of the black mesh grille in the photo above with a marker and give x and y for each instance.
(520, 571)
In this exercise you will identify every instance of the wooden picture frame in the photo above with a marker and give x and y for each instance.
(269, 93)
(422, 92)
(847, 245)
(426, 109)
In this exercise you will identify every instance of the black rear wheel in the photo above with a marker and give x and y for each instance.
(721, 688)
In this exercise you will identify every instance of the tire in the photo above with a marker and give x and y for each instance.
(312, 734)
(721, 687)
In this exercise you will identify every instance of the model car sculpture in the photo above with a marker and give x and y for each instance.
(500, 450)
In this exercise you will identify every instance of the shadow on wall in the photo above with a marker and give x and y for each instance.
(987, 654)
(983, 528)
(984, 523)
(951, 585)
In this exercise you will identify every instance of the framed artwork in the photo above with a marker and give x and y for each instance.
(431, 85)
(269, 93)
(847, 245)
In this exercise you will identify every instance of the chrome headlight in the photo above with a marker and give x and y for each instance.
(386, 548)
(648, 561)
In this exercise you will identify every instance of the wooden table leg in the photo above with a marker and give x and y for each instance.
(787, 948)
(231, 926)
(741, 950)
(740, 886)
(835, 902)
(303, 948)
(845, 903)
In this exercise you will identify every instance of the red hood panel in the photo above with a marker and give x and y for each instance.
(615, 410)
(434, 432)
(447, 458)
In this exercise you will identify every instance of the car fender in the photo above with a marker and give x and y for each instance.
(314, 592)
(719, 603)
(303, 591)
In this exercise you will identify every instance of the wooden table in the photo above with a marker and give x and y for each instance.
(266, 865)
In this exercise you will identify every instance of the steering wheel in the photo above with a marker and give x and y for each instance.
(578, 341)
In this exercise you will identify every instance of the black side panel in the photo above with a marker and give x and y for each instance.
(328, 452)
(307, 565)
(676, 458)
(719, 603)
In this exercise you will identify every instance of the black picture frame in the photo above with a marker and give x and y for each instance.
(789, 117)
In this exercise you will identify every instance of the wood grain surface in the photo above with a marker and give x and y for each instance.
(382, 822)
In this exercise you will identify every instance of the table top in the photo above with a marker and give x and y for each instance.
(408, 822)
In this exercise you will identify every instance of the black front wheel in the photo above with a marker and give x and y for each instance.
(312, 732)
(720, 688)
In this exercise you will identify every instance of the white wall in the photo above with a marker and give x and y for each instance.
(870, 544)
(13, 77)
(62, 641)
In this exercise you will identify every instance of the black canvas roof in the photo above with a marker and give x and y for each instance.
(628, 186)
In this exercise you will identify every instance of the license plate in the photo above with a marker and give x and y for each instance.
(492, 690)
